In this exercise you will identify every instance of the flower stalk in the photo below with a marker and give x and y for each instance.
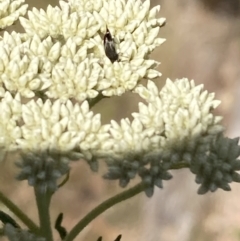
(131, 192)
(43, 200)
(19, 213)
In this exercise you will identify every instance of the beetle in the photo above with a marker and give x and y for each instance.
(110, 47)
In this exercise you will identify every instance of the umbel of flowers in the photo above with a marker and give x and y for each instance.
(51, 76)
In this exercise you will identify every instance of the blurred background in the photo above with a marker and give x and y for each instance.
(203, 43)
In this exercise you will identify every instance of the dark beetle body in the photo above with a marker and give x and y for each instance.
(109, 47)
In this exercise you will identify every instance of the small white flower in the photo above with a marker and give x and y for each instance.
(79, 68)
(180, 112)
(10, 11)
(10, 130)
(39, 126)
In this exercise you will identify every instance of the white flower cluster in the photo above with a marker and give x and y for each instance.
(62, 59)
(176, 125)
(19, 69)
(62, 51)
(182, 114)
(39, 126)
(10, 11)
(64, 126)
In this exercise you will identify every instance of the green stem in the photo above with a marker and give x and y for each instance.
(103, 207)
(22, 216)
(43, 203)
(65, 180)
